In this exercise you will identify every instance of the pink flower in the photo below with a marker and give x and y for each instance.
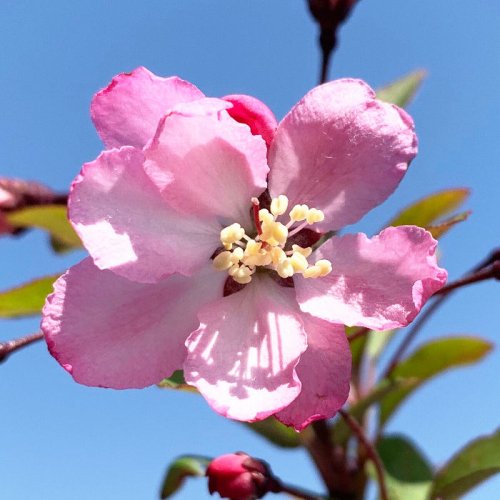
(167, 216)
(238, 476)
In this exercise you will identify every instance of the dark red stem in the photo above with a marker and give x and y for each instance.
(7, 348)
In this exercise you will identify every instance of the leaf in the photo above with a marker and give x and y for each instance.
(402, 91)
(429, 360)
(50, 218)
(275, 432)
(183, 467)
(377, 342)
(408, 473)
(438, 230)
(428, 210)
(176, 381)
(27, 299)
(472, 465)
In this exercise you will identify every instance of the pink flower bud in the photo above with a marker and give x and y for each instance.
(239, 477)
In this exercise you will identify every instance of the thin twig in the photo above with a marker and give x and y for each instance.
(492, 271)
(7, 348)
(371, 452)
(488, 268)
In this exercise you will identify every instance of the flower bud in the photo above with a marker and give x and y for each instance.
(239, 477)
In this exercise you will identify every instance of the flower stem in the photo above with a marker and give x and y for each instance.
(371, 452)
(329, 14)
(7, 348)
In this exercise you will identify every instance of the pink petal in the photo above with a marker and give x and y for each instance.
(108, 331)
(342, 151)
(324, 370)
(379, 283)
(249, 110)
(206, 163)
(127, 111)
(128, 227)
(243, 356)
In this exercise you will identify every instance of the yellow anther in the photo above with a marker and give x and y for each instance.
(243, 275)
(265, 215)
(314, 215)
(325, 267)
(274, 233)
(233, 269)
(223, 261)
(304, 251)
(299, 262)
(228, 246)
(232, 234)
(277, 255)
(237, 255)
(299, 212)
(279, 205)
(285, 268)
(253, 247)
(320, 269)
(312, 272)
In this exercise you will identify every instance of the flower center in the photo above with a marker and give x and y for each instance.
(243, 255)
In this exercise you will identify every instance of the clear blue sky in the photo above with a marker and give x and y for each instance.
(61, 440)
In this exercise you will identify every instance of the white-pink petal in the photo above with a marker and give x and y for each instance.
(243, 357)
(324, 371)
(108, 331)
(127, 111)
(379, 283)
(207, 164)
(128, 227)
(342, 151)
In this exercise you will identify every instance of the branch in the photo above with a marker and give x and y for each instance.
(371, 452)
(7, 348)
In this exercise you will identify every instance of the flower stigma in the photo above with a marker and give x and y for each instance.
(242, 255)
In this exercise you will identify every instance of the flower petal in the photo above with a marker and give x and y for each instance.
(129, 228)
(324, 370)
(127, 111)
(249, 110)
(206, 163)
(108, 331)
(379, 283)
(243, 356)
(342, 151)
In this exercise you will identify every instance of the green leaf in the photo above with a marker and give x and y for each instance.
(183, 467)
(428, 210)
(473, 464)
(27, 299)
(437, 230)
(50, 218)
(377, 342)
(176, 381)
(275, 432)
(408, 473)
(402, 91)
(429, 360)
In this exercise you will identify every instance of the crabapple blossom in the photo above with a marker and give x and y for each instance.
(200, 220)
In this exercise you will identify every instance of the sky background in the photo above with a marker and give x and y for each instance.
(61, 440)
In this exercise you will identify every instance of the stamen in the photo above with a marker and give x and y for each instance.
(242, 254)
(279, 205)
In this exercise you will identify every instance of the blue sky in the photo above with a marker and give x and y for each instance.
(61, 440)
